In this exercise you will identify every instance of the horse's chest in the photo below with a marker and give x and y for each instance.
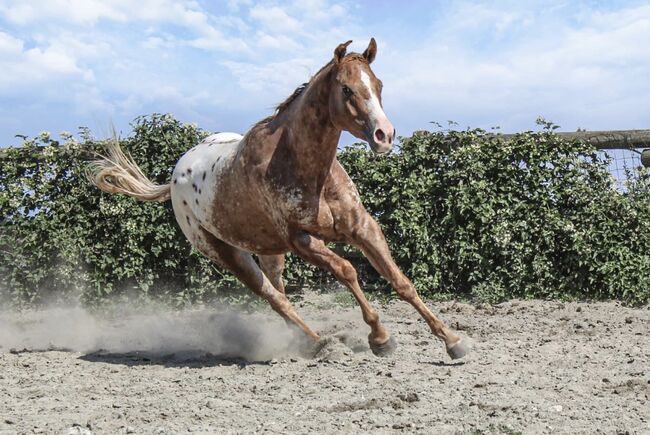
(297, 209)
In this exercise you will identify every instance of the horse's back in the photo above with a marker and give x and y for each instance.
(225, 137)
(208, 157)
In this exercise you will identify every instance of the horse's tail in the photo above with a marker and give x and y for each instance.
(115, 172)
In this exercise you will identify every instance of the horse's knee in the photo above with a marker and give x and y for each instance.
(348, 272)
(405, 290)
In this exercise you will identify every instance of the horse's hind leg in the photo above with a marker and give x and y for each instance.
(242, 265)
(272, 266)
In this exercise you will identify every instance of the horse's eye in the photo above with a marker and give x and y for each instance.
(347, 91)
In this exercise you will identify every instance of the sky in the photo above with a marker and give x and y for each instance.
(225, 64)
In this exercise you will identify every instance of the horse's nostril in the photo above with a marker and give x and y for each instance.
(380, 135)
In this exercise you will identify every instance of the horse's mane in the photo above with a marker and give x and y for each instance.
(300, 89)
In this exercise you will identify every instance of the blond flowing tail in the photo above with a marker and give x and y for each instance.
(116, 172)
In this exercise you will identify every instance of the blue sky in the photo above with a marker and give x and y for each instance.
(225, 64)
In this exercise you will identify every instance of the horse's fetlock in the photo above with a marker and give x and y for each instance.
(371, 317)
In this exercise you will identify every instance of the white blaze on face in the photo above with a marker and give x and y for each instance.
(376, 112)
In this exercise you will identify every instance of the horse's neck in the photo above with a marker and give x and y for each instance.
(313, 138)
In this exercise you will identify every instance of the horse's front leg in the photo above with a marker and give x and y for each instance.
(272, 266)
(314, 251)
(367, 236)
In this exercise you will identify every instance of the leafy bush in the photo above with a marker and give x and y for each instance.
(61, 235)
(536, 216)
(465, 213)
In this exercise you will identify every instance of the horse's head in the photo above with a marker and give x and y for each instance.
(355, 100)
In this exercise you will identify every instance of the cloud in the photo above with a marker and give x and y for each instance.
(571, 72)
(187, 14)
(275, 19)
(10, 45)
(280, 42)
(22, 67)
(73, 11)
(274, 77)
(235, 5)
(479, 63)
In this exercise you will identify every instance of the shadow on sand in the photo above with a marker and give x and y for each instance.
(189, 358)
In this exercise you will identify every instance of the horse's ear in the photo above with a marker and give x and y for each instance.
(339, 52)
(371, 51)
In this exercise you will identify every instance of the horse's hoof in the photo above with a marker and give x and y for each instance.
(458, 350)
(384, 349)
(308, 348)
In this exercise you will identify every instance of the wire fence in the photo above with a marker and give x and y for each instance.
(629, 151)
(625, 165)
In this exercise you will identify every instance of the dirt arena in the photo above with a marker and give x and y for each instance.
(536, 367)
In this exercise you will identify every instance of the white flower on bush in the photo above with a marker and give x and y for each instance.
(502, 234)
(111, 209)
(131, 226)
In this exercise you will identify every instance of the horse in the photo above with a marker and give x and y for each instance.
(280, 188)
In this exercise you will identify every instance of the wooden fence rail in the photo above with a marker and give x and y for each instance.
(607, 140)
(611, 140)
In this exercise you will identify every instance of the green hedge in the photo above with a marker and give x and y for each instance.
(466, 214)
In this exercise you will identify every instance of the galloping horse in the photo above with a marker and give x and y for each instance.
(280, 189)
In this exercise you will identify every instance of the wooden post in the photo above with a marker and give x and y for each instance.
(645, 158)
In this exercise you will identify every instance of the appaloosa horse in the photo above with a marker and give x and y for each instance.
(280, 189)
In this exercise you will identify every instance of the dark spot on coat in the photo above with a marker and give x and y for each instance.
(218, 158)
(189, 170)
(194, 186)
(184, 202)
(188, 219)
(203, 178)
(197, 201)
(175, 180)
(213, 166)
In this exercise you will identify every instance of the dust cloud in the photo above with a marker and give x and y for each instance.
(157, 331)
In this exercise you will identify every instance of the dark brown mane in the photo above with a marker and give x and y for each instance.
(283, 105)
(299, 90)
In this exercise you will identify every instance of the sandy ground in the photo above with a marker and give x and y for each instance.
(536, 367)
